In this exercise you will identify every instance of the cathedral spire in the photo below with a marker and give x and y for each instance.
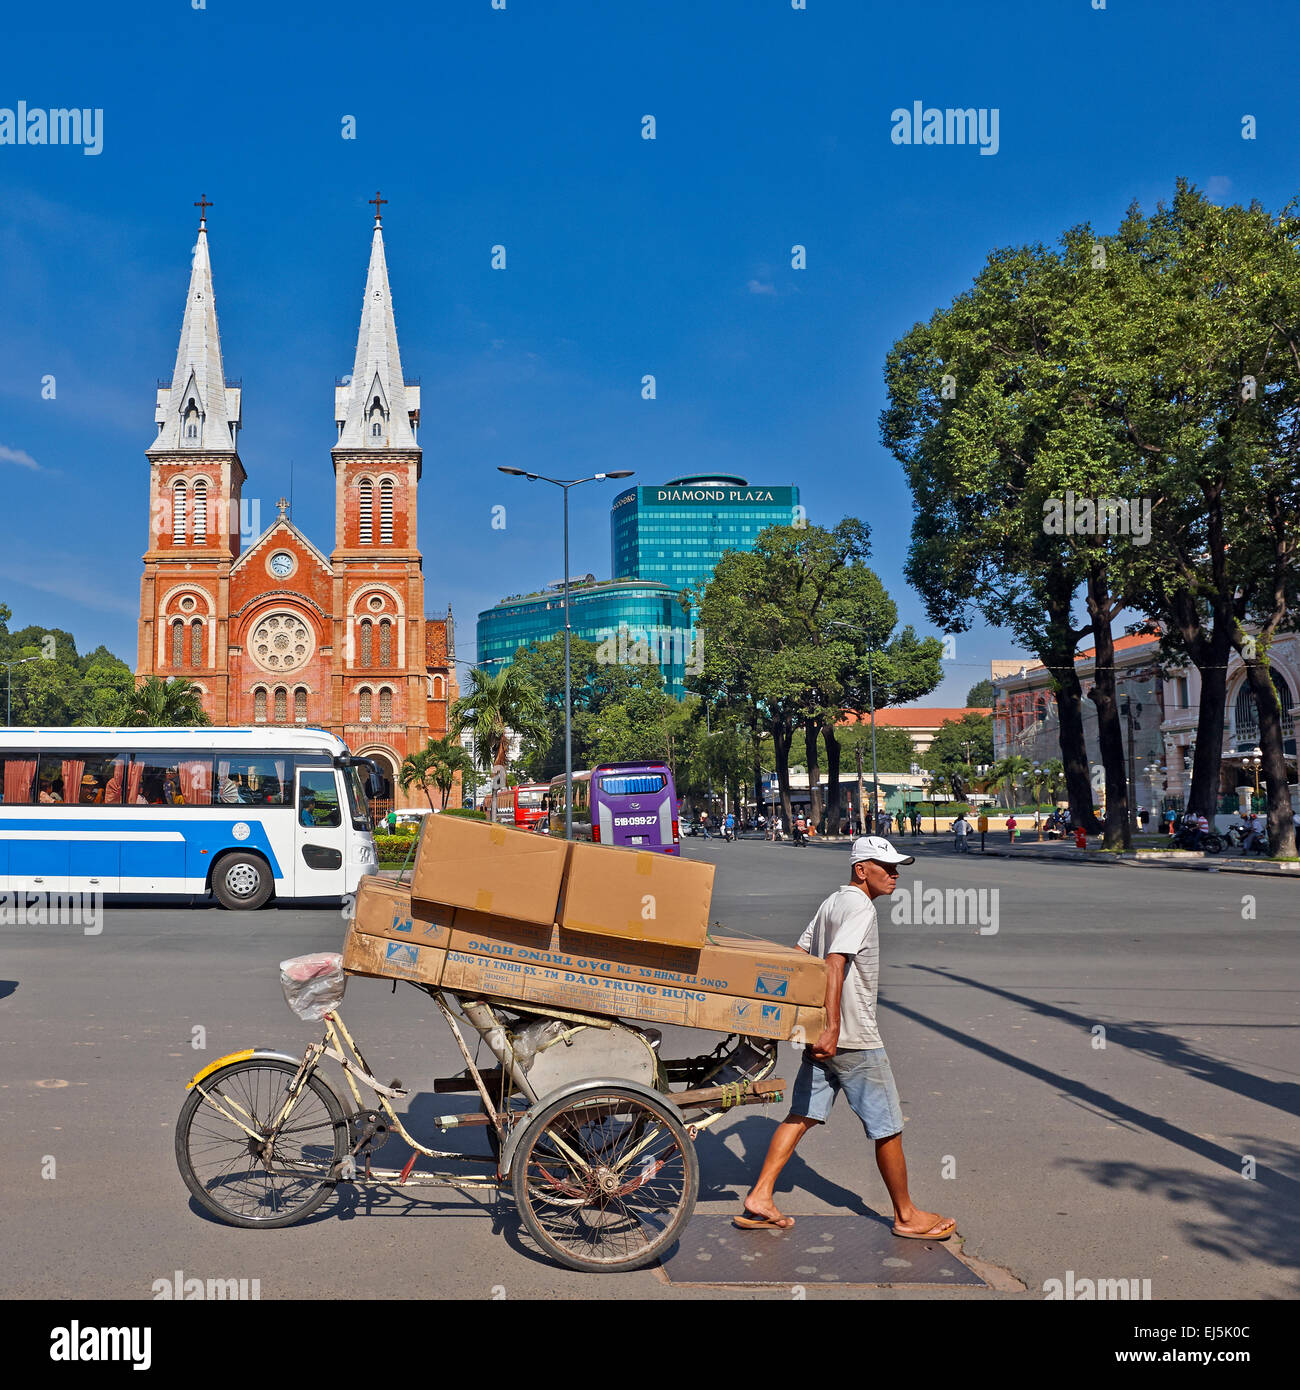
(198, 410)
(376, 409)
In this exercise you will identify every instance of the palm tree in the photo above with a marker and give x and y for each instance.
(1054, 775)
(447, 761)
(1008, 772)
(417, 770)
(494, 707)
(164, 702)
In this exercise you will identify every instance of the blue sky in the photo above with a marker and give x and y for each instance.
(625, 256)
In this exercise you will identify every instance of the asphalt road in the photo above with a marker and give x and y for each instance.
(1119, 1162)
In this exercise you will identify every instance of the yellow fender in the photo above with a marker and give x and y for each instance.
(224, 1061)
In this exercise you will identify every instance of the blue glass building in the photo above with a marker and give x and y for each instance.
(633, 623)
(675, 534)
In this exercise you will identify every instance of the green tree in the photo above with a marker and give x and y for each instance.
(1008, 773)
(960, 746)
(159, 703)
(437, 764)
(493, 708)
(771, 655)
(980, 695)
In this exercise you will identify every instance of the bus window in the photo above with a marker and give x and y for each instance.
(255, 781)
(17, 776)
(318, 798)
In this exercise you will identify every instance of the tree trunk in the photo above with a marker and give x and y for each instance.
(1110, 736)
(758, 768)
(1281, 827)
(1058, 656)
(811, 733)
(782, 736)
(833, 813)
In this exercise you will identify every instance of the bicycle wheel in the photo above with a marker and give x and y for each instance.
(605, 1179)
(237, 1177)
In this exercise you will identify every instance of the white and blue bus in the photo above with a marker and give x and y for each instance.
(238, 813)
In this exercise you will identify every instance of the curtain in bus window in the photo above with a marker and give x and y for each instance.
(74, 769)
(196, 781)
(227, 789)
(113, 789)
(134, 776)
(18, 781)
(281, 797)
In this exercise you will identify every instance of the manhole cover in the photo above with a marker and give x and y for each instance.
(815, 1250)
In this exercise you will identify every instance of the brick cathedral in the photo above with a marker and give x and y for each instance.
(280, 632)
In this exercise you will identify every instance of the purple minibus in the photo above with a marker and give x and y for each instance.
(628, 804)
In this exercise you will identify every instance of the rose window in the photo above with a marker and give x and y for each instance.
(282, 642)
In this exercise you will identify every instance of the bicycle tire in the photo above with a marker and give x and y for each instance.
(205, 1197)
(524, 1181)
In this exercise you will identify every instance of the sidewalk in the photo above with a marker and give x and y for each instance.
(1064, 850)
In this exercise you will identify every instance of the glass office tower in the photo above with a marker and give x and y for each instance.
(632, 622)
(675, 534)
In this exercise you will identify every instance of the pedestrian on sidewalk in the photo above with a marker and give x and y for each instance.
(849, 1055)
(1011, 829)
(960, 830)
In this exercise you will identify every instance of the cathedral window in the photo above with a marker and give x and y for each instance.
(300, 705)
(363, 706)
(196, 642)
(178, 644)
(385, 643)
(191, 422)
(365, 489)
(367, 630)
(376, 430)
(200, 509)
(386, 512)
(439, 688)
(179, 493)
(281, 704)
(385, 705)
(259, 705)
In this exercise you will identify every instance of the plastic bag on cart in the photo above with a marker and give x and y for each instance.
(313, 984)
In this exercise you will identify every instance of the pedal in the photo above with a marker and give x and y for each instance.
(347, 1169)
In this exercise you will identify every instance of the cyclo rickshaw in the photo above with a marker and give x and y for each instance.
(579, 1110)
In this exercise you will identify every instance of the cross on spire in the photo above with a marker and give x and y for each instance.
(378, 204)
(283, 504)
(203, 205)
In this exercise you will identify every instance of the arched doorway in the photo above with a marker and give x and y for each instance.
(385, 760)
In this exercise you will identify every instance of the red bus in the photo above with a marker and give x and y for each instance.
(522, 806)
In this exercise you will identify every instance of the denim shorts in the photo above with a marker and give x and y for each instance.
(865, 1077)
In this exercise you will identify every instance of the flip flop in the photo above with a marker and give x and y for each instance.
(930, 1234)
(753, 1221)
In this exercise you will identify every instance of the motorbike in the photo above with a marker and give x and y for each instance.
(1211, 841)
(1240, 837)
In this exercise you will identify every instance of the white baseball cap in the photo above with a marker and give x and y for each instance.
(878, 848)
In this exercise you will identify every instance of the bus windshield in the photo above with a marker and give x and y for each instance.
(360, 806)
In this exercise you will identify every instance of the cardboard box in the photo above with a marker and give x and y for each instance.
(392, 960)
(727, 965)
(489, 868)
(635, 894)
(629, 999)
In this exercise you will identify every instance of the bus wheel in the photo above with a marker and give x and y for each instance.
(241, 881)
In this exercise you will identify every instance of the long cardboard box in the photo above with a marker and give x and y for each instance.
(506, 979)
(489, 868)
(629, 999)
(634, 894)
(727, 965)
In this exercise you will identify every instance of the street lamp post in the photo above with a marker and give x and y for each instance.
(564, 485)
(871, 700)
(9, 683)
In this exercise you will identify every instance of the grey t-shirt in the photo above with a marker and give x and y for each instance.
(845, 925)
